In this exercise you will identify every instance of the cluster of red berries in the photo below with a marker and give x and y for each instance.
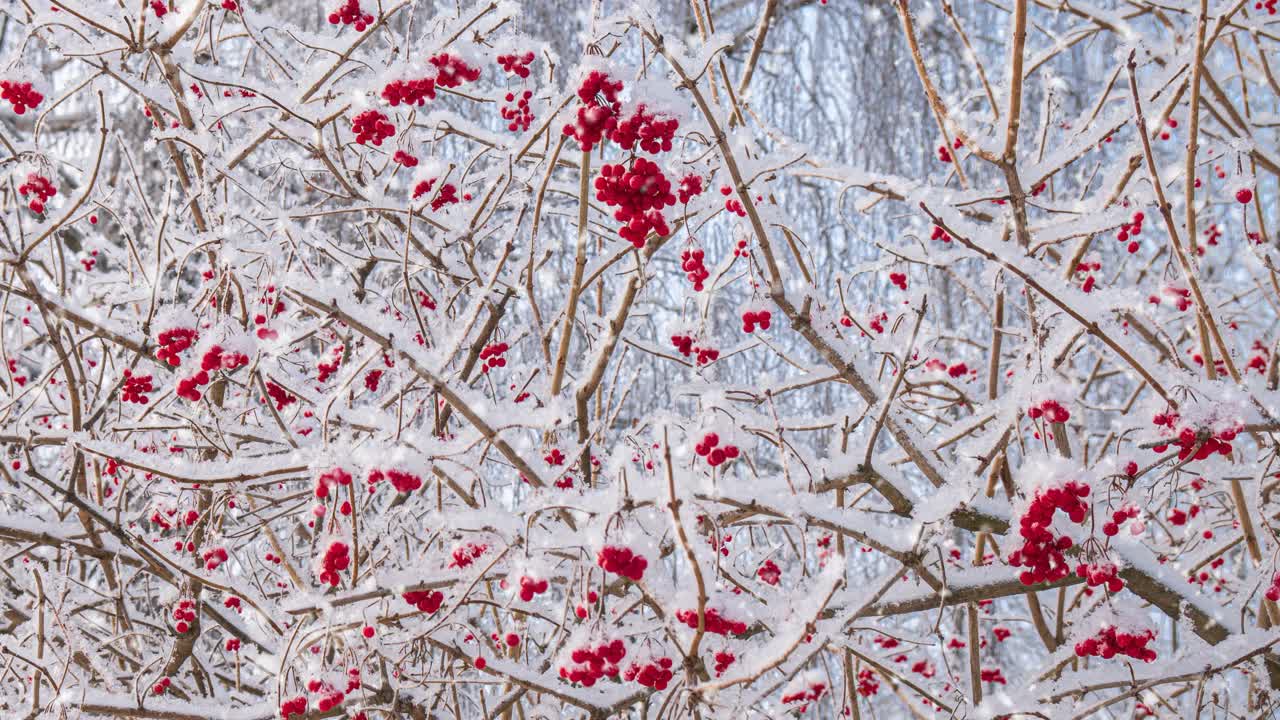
(280, 396)
(427, 601)
(735, 206)
(640, 193)
(349, 13)
(720, 542)
(514, 64)
(589, 664)
(232, 645)
(331, 698)
(1270, 5)
(372, 125)
(20, 95)
(623, 561)
(296, 706)
(769, 572)
(992, 675)
(1087, 269)
(1118, 518)
(1273, 592)
(695, 271)
(598, 113)
(492, 355)
(899, 279)
(448, 194)
(173, 342)
(1188, 440)
(1041, 551)
(402, 481)
(690, 186)
(885, 642)
(214, 557)
(336, 558)
(404, 159)
(1108, 643)
(530, 587)
(654, 674)
(715, 455)
(158, 518)
(135, 387)
(704, 356)
(184, 613)
(1212, 233)
(371, 380)
(723, 659)
(232, 603)
(940, 234)
(90, 261)
(944, 155)
(554, 458)
(653, 132)
(215, 358)
(1131, 230)
(1050, 410)
(1178, 516)
(452, 71)
(1181, 297)
(330, 478)
(410, 92)
(868, 684)
(464, 555)
(1001, 633)
(516, 112)
(751, 319)
(161, 685)
(810, 692)
(42, 187)
(714, 622)
(1096, 574)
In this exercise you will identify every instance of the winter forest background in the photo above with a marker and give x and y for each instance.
(677, 359)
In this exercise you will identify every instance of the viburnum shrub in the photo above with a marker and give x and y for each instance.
(639, 360)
